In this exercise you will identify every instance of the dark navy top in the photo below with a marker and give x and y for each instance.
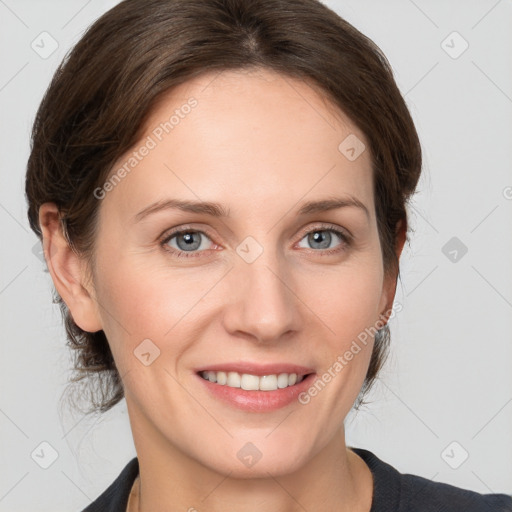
(392, 492)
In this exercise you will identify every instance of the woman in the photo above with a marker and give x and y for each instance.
(220, 187)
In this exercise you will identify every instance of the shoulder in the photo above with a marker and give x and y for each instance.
(427, 496)
(397, 492)
(115, 497)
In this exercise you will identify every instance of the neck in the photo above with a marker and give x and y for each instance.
(334, 479)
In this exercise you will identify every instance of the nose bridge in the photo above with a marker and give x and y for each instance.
(263, 304)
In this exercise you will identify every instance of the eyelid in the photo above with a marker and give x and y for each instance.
(321, 226)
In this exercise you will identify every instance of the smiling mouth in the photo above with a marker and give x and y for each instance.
(250, 382)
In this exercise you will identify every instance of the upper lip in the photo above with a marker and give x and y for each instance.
(257, 368)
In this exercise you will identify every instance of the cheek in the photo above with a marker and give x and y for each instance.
(139, 302)
(350, 309)
(348, 300)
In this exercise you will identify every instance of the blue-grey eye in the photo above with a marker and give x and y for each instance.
(187, 240)
(322, 238)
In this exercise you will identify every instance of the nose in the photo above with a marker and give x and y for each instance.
(262, 305)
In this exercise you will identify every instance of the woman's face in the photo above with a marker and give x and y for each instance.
(254, 286)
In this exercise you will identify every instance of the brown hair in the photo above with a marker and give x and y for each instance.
(102, 93)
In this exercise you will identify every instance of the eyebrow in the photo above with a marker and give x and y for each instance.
(217, 210)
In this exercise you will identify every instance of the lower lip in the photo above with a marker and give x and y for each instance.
(258, 401)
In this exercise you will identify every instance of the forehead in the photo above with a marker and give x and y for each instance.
(246, 90)
(251, 135)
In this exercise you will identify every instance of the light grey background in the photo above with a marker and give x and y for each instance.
(448, 379)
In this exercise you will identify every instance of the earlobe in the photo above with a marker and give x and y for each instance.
(68, 270)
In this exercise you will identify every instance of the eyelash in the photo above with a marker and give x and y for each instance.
(345, 238)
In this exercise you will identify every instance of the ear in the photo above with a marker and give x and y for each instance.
(68, 271)
(390, 280)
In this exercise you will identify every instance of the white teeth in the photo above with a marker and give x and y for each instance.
(252, 382)
(282, 380)
(268, 382)
(233, 380)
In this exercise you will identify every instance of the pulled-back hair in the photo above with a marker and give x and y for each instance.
(103, 92)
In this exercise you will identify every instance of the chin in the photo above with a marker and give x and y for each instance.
(257, 459)
(276, 467)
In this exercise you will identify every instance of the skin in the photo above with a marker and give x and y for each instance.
(261, 145)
